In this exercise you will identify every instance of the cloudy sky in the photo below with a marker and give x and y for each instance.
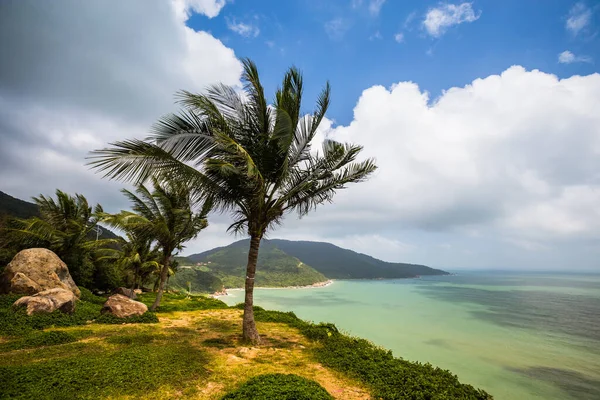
(484, 117)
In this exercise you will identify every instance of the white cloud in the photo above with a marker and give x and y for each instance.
(440, 18)
(376, 36)
(567, 57)
(109, 81)
(579, 18)
(375, 6)
(242, 28)
(517, 154)
(399, 37)
(336, 28)
(210, 8)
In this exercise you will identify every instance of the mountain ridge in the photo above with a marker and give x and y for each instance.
(332, 261)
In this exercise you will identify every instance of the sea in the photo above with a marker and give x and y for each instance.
(516, 335)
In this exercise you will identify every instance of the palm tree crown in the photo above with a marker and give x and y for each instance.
(244, 155)
(164, 215)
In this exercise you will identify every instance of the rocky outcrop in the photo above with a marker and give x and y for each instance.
(126, 292)
(48, 301)
(35, 270)
(123, 307)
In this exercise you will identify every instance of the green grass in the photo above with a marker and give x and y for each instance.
(143, 365)
(38, 339)
(180, 302)
(16, 322)
(280, 387)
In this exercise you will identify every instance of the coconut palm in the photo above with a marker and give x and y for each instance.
(67, 227)
(164, 215)
(248, 157)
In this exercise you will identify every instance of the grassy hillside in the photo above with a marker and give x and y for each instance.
(331, 261)
(275, 268)
(195, 351)
(201, 281)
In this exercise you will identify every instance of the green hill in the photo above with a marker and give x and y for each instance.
(278, 258)
(200, 281)
(275, 268)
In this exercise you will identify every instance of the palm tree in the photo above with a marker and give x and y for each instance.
(164, 215)
(248, 157)
(66, 226)
(135, 253)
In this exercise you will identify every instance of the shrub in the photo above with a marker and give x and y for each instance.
(37, 339)
(281, 387)
(88, 296)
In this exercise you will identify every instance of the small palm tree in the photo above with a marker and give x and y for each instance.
(164, 215)
(65, 226)
(248, 157)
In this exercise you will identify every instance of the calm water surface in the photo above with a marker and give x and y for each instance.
(516, 335)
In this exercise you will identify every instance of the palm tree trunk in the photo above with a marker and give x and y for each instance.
(164, 273)
(249, 326)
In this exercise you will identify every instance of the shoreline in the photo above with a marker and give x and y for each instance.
(314, 285)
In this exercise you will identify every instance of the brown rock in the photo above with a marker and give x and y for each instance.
(48, 301)
(122, 306)
(36, 270)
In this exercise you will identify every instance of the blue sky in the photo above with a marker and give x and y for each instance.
(483, 116)
(360, 50)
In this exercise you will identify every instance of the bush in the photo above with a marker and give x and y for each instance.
(37, 339)
(281, 387)
(87, 295)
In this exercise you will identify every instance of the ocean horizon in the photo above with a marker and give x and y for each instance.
(517, 335)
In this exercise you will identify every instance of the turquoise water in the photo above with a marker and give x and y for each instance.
(516, 335)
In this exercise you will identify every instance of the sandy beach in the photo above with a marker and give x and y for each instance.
(314, 285)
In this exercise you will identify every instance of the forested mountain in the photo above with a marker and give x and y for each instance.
(275, 268)
(329, 260)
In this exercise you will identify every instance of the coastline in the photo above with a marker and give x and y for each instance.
(314, 285)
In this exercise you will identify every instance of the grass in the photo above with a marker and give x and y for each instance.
(180, 302)
(281, 387)
(199, 354)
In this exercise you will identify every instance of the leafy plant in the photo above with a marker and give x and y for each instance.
(281, 387)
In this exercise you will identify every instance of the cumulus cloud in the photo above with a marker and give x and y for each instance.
(76, 77)
(567, 57)
(439, 19)
(579, 18)
(516, 152)
(242, 28)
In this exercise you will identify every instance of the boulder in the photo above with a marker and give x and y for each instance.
(48, 301)
(126, 292)
(36, 270)
(122, 306)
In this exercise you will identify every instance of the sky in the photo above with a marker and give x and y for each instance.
(483, 116)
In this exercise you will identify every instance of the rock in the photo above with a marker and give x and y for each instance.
(48, 301)
(122, 306)
(126, 292)
(36, 270)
